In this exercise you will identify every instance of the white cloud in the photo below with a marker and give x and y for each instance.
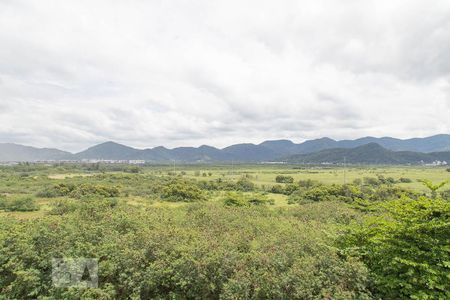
(148, 73)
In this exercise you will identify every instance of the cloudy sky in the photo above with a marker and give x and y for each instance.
(177, 73)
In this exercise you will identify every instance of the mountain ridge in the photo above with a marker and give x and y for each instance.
(270, 150)
(371, 153)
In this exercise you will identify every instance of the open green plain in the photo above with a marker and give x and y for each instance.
(29, 179)
(227, 231)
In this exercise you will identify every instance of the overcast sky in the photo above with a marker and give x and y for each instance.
(178, 73)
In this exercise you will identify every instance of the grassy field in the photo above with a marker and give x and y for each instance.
(231, 232)
(265, 175)
(29, 182)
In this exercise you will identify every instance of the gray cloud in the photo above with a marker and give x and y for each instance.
(148, 73)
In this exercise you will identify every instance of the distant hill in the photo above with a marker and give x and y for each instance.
(371, 153)
(108, 151)
(14, 152)
(266, 151)
(436, 143)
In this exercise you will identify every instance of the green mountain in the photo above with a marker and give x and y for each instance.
(371, 153)
(14, 152)
(266, 151)
(108, 151)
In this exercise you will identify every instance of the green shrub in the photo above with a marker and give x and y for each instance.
(59, 190)
(89, 190)
(61, 207)
(245, 185)
(24, 203)
(371, 181)
(347, 193)
(357, 181)
(79, 191)
(277, 189)
(284, 179)
(406, 248)
(240, 199)
(445, 195)
(259, 199)
(405, 180)
(358, 195)
(182, 191)
(308, 183)
(198, 251)
(434, 187)
(235, 199)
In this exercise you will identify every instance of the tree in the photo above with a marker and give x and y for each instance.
(284, 179)
(405, 248)
(433, 187)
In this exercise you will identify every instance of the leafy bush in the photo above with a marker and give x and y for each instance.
(347, 193)
(287, 189)
(284, 179)
(245, 185)
(240, 199)
(371, 181)
(64, 206)
(182, 191)
(445, 195)
(277, 189)
(88, 190)
(406, 248)
(405, 180)
(200, 251)
(59, 190)
(434, 187)
(19, 204)
(259, 199)
(350, 193)
(235, 199)
(78, 191)
(308, 183)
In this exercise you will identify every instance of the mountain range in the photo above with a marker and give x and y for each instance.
(363, 150)
(371, 153)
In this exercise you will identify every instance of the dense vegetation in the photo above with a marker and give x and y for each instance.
(406, 247)
(160, 234)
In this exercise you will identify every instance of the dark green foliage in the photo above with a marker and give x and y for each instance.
(245, 185)
(277, 189)
(241, 199)
(406, 248)
(79, 191)
(357, 181)
(202, 251)
(284, 179)
(347, 193)
(371, 181)
(308, 183)
(445, 195)
(434, 187)
(182, 191)
(60, 207)
(405, 180)
(59, 190)
(360, 196)
(89, 190)
(133, 169)
(369, 154)
(21, 203)
(233, 245)
(235, 199)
